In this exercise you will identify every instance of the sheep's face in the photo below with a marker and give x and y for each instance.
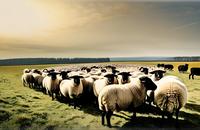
(158, 74)
(111, 78)
(64, 74)
(147, 83)
(125, 76)
(53, 75)
(76, 79)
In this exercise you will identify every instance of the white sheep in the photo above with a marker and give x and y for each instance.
(121, 97)
(101, 83)
(170, 96)
(51, 84)
(72, 88)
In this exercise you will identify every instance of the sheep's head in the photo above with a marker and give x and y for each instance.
(53, 75)
(64, 74)
(110, 78)
(103, 70)
(76, 79)
(125, 76)
(147, 83)
(158, 74)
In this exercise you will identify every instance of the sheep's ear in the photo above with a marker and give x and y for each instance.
(80, 76)
(120, 74)
(115, 76)
(163, 71)
(152, 72)
(129, 74)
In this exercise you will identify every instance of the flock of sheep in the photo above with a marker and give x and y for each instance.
(112, 87)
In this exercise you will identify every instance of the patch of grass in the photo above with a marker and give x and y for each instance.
(4, 115)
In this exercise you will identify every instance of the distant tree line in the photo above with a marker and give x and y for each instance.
(193, 58)
(36, 61)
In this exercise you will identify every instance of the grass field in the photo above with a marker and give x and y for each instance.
(22, 107)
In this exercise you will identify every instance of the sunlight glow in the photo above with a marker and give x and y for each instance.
(20, 18)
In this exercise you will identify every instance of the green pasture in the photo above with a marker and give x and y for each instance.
(25, 108)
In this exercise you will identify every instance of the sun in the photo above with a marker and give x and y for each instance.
(21, 18)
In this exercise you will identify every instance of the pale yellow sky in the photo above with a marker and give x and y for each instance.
(66, 28)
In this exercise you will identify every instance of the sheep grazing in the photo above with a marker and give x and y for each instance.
(51, 84)
(124, 77)
(170, 96)
(122, 97)
(160, 65)
(183, 68)
(168, 67)
(72, 88)
(101, 83)
(194, 71)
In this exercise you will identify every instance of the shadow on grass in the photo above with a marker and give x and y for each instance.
(151, 122)
(194, 107)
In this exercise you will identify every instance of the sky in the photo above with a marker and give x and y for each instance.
(99, 28)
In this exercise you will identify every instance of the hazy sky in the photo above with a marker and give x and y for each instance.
(99, 28)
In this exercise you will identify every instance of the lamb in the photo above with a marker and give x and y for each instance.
(72, 88)
(170, 96)
(124, 77)
(194, 71)
(101, 83)
(122, 97)
(51, 84)
(183, 68)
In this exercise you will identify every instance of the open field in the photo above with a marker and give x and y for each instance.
(22, 107)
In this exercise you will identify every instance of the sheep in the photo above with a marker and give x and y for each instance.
(26, 70)
(124, 77)
(194, 71)
(170, 96)
(51, 84)
(156, 76)
(101, 83)
(72, 88)
(183, 68)
(168, 66)
(144, 70)
(88, 94)
(122, 97)
(160, 65)
(28, 80)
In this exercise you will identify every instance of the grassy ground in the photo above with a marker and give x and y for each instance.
(22, 107)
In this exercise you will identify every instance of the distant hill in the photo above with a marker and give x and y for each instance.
(192, 58)
(36, 61)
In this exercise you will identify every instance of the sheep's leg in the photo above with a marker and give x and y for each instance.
(177, 112)
(102, 117)
(134, 114)
(163, 115)
(52, 95)
(190, 75)
(108, 116)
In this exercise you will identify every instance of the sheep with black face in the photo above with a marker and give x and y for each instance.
(72, 88)
(125, 96)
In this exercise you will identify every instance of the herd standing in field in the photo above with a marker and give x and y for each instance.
(113, 89)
